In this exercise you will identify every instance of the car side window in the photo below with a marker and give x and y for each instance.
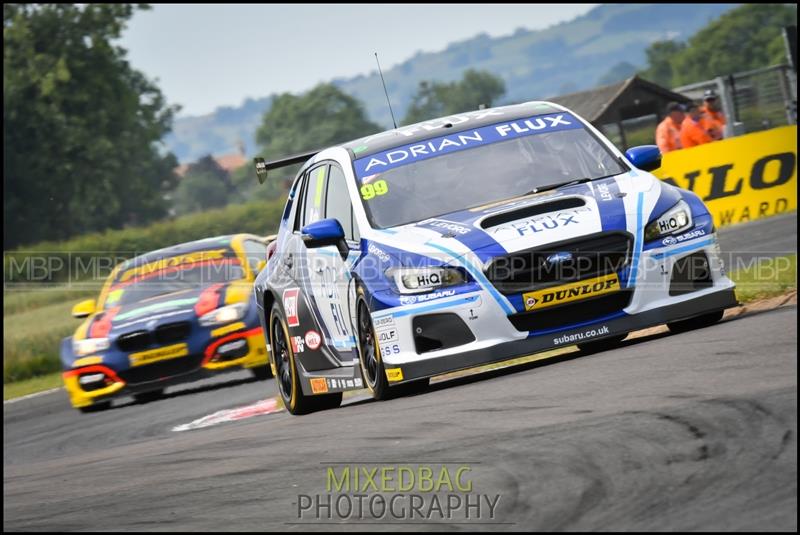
(356, 233)
(293, 201)
(300, 202)
(255, 251)
(314, 195)
(338, 204)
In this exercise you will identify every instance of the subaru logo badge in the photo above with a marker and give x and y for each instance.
(559, 258)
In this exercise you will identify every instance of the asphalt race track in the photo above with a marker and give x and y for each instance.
(695, 431)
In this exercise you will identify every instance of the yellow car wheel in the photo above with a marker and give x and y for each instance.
(287, 376)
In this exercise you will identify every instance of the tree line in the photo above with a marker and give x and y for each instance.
(745, 38)
(82, 128)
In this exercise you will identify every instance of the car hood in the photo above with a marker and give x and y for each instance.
(170, 307)
(620, 203)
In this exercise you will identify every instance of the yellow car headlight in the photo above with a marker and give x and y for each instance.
(676, 219)
(224, 314)
(81, 348)
(418, 280)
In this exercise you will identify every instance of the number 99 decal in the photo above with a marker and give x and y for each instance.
(370, 191)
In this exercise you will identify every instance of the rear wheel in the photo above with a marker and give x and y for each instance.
(698, 322)
(261, 373)
(602, 345)
(147, 397)
(287, 377)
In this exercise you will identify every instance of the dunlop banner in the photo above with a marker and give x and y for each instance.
(741, 178)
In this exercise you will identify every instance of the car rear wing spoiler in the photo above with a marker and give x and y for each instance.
(263, 166)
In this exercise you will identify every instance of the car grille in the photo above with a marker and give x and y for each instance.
(161, 370)
(134, 341)
(589, 257)
(571, 313)
(163, 335)
(172, 332)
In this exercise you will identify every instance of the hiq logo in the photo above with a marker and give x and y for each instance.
(673, 223)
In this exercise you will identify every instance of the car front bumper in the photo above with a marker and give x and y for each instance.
(418, 369)
(190, 368)
(653, 301)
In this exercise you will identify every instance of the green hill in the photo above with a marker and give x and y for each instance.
(567, 57)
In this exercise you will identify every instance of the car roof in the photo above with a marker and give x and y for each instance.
(458, 122)
(182, 248)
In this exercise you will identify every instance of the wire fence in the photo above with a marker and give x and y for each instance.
(753, 100)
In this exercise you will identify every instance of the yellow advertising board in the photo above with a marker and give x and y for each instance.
(742, 178)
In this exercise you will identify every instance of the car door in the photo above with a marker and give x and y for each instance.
(321, 273)
(329, 273)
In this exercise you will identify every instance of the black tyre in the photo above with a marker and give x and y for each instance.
(287, 376)
(409, 389)
(147, 397)
(369, 357)
(698, 322)
(602, 345)
(369, 351)
(97, 407)
(261, 373)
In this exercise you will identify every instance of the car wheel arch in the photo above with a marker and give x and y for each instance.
(268, 299)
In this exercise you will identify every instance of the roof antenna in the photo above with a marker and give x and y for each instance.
(385, 91)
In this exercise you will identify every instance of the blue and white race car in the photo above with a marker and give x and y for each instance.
(471, 239)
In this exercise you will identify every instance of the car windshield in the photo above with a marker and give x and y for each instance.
(471, 168)
(174, 274)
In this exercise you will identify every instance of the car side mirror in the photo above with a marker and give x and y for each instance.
(644, 157)
(83, 309)
(324, 233)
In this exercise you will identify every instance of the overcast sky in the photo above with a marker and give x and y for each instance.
(206, 56)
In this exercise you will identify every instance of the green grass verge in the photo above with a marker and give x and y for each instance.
(768, 277)
(23, 299)
(31, 340)
(31, 386)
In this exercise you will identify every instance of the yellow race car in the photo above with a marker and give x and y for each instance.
(167, 317)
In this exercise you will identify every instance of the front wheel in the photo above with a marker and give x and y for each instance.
(369, 352)
(698, 322)
(372, 369)
(147, 397)
(287, 375)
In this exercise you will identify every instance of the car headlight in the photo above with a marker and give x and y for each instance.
(676, 219)
(224, 314)
(81, 348)
(418, 280)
